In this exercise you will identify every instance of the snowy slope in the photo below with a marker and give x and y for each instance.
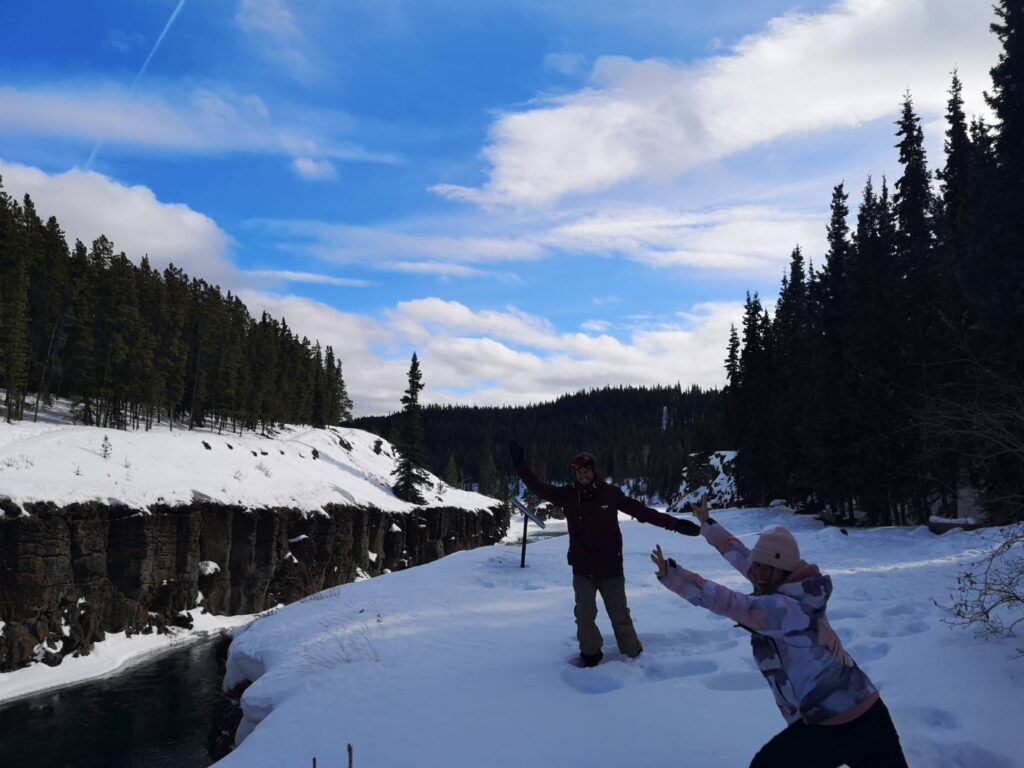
(465, 661)
(62, 463)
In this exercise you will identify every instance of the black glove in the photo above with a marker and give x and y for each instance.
(686, 528)
(515, 452)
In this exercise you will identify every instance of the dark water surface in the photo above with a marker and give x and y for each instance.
(152, 715)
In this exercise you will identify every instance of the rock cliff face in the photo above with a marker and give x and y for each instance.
(69, 575)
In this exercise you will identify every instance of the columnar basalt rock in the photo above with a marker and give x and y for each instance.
(70, 575)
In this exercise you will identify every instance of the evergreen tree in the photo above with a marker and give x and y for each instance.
(409, 475)
(79, 382)
(341, 403)
(14, 311)
(828, 430)
(958, 190)
(1006, 239)
(753, 470)
(487, 473)
(451, 473)
(731, 392)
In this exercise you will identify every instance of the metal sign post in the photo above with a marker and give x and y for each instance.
(527, 517)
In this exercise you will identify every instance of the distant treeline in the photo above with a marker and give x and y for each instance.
(622, 426)
(892, 377)
(132, 347)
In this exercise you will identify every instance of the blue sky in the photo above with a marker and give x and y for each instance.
(536, 197)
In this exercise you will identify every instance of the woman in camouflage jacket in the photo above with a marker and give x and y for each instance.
(834, 711)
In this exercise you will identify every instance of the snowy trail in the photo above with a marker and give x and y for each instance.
(464, 661)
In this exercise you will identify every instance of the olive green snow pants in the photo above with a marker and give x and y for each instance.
(613, 592)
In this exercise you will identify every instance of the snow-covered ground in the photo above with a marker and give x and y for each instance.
(466, 661)
(63, 463)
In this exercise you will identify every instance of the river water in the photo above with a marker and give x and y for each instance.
(153, 715)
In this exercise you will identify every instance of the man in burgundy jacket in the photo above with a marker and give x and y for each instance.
(595, 548)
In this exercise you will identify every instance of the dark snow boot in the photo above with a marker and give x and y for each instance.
(589, 659)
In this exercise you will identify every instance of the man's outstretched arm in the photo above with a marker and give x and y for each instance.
(645, 514)
(552, 493)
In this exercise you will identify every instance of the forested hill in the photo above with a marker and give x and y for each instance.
(132, 346)
(622, 426)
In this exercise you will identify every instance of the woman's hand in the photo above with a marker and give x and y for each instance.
(659, 560)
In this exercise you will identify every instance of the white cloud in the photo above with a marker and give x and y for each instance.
(495, 357)
(275, 33)
(200, 120)
(316, 170)
(88, 204)
(747, 238)
(655, 119)
(423, 246)
(421, 318)
(490, 357)
(287, 276)
(752, 239)
(438, 268)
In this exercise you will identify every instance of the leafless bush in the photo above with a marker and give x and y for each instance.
(990, 594)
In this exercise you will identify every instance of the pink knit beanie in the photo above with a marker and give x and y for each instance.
(777, 547)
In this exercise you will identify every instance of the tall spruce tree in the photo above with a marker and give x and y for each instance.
(487, 472)
(409, 475)
(958, 190)
(451, 472)
(14, 312)
(1006, 99)
(832, 309)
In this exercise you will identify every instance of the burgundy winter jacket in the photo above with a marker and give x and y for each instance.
(595, 541)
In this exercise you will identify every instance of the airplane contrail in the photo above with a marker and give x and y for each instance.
(145, 64)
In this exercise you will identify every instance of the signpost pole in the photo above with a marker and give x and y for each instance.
(522, 560)
(527, 517)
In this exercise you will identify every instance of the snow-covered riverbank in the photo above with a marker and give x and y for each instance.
(466, 661)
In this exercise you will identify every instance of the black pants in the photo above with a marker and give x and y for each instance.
(870, 741)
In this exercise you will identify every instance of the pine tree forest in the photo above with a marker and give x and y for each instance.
(644, 436)
(888, 384)
(134, 348)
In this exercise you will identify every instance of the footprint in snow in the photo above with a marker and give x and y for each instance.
(904, 629)
(901, 621)
(695, 642)
(864, 653)
(590, 680)
(930, 717)
(906, 609)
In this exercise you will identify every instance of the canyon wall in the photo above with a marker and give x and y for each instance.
(70, 575)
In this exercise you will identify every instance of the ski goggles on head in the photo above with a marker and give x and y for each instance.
(583, 460)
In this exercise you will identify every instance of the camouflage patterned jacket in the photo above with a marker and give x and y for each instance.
(799, 654)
